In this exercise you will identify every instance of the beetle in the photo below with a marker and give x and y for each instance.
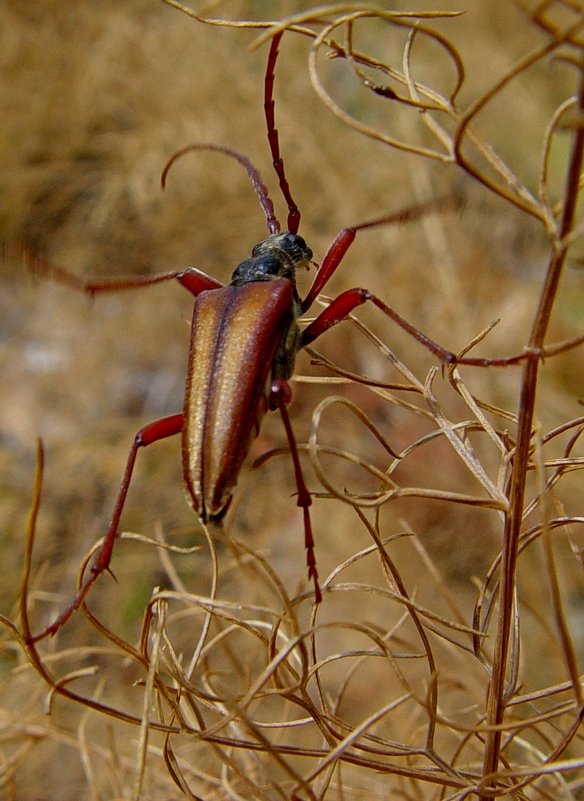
(244, 340)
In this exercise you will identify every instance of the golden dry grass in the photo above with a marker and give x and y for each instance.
(95, 99)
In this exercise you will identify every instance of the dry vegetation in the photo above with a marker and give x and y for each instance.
(444, 660)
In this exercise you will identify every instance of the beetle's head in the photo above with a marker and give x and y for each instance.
(287, 247)
(278, 256)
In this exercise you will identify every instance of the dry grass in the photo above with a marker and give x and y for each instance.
(431, 664)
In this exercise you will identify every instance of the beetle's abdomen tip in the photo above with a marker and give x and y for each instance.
(207, 515)
(217, 517)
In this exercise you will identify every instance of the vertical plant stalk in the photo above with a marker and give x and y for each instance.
(496, 698)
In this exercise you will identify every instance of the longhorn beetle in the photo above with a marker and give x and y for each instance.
(244, 340)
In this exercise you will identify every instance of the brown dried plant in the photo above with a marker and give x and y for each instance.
(444, 660)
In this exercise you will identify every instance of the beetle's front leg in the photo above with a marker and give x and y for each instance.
(160, 429)
(345, 238)
(341, 307)
(281, 395)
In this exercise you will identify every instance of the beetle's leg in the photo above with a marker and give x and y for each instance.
(160, 429)
(345, 238)
(196, 281)
(346, 302)
(192, 279)
(281, 394)
(342, 306)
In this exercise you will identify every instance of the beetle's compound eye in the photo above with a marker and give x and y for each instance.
(291, 246)
(296, 247)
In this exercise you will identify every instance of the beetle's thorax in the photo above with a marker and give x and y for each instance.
(278, 256)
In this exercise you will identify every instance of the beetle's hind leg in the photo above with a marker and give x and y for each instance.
(160, 429)
(280, 396)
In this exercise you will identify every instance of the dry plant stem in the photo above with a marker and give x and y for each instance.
(497, 695)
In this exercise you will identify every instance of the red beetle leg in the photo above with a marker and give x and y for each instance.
(348, 301)
(346, 237)
(192, 279)
(281, 394)
(342, 306)
(160, 429)
(196, 281)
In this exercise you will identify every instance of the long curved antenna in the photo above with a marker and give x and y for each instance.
(293, 211)
(256, 178)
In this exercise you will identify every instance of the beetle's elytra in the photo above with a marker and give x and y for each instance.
(243, 337)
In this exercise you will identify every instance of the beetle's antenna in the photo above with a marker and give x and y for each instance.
(273, 139)
(256, 179)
